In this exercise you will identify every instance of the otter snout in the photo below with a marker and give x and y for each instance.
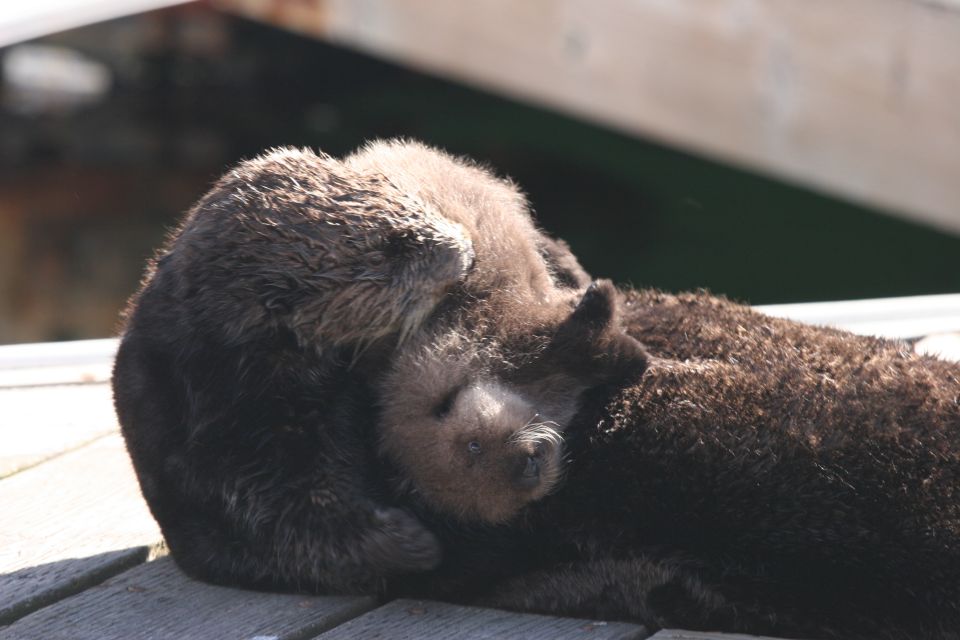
(537, 464)
(530, 473)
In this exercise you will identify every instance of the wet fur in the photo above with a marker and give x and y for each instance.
(477, 432)
(245, 373)
(763, 476)
(497, 353)
(509, 251)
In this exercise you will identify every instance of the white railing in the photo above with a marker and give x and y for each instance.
(90, 361)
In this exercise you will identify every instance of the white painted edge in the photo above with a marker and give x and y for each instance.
(944, 4)
(22, 20)
(906, 317)
(84, 361)
(58, 354)
(53, 363)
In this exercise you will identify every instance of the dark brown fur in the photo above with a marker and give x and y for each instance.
(807, 477)
(243, 382)
(477, 434)
(518, 291)
(508, 249)
(233, 382)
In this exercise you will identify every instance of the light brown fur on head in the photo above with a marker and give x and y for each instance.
(510, 251)
(471, 445)
(302, 241)
(476, 429)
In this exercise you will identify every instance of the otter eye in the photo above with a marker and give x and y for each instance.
(446, 404)
(474, 447)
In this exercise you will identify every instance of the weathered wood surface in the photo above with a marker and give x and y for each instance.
(68, 523)
(21, 21)
(857, 97)
(71, 362)
(157, 601)
(678, 634)
(37, 423)
(75, 519)
(419, 620)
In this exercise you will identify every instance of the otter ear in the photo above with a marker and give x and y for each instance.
(592, 342)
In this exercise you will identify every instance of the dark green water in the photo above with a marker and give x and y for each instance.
(178, 114)
(642, 213)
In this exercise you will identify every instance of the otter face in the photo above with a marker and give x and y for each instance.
(468, 444)
(493, 453)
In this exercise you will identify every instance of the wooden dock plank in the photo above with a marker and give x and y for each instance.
(41, 422)
(21, 21)
(69, 362)
(419, 620)
(775, 85)
(679, 634)
(157, 601)
(68, 523)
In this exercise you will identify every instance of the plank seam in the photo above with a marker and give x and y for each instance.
(58, 454)
(362, 606)
(139, 556)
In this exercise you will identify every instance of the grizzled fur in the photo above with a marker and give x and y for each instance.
(477, 433)
(762, 476)
(232, 385)
(507, 248)
(451, 391)
(243, 382)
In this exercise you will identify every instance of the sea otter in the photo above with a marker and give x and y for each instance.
(244, 381)
(761, 476)
(476, 428)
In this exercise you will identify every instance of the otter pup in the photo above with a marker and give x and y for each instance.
(479, 436)
(245, 373)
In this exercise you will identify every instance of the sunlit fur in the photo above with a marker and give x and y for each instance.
(807, 477)
(433, 448)
(299, 240)
(243, 381)
(466, 387)
(493, 213)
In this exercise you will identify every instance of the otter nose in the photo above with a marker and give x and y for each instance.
(530, 476)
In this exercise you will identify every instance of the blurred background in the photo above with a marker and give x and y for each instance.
(769, 150)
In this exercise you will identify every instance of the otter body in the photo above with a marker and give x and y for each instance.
(762, 476)
(238, 384)
(245, 378)
(477, 431)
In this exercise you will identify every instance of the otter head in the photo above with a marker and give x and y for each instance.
(470, 445)
(299, 241)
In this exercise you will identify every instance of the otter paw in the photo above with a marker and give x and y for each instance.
(400, 542)
(692, 606)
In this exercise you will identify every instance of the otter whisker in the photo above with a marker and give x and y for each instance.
(537, 432)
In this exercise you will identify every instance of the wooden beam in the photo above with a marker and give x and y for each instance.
(68, 523)
(43, 422)
(156, 601)
(426, 620)
(860, 98)
(21, 21)
(71, 362)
